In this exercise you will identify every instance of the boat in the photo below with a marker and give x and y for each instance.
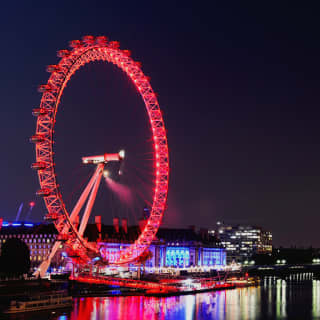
(244, 282)
(39, 301)
(189, 286)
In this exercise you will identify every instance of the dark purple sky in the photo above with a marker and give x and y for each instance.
(239, 86)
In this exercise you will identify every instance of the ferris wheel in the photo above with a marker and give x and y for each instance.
(84, 51)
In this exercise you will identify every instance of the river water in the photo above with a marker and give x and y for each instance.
(295, 298)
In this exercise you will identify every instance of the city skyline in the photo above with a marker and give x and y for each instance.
(239, 96)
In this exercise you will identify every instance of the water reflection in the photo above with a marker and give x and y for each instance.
(316, 298)
(185, 307)
(295, 297)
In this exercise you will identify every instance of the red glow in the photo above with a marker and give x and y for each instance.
(32, 204)
(122, 191)
(88, 50)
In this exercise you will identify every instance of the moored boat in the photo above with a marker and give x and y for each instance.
(40, 301)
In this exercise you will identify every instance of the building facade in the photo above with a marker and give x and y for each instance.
(38, 237)
(174, 255)
(243, 241)
(175, 248)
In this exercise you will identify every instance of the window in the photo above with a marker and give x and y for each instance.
(177, 256)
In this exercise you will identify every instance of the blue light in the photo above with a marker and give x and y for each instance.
(95, 259)
(214, 256)
(115, 292)
(28, 224)
(177, 256)
(16, 224)
(5, 224)
(64, 254)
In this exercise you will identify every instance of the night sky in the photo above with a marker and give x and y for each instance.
(238, 84)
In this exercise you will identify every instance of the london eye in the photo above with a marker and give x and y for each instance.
(82, 52)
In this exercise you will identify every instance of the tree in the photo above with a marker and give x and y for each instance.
(15, 258)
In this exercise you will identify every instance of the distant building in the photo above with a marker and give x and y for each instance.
(242, 241)
(38, 237)
(181, 248)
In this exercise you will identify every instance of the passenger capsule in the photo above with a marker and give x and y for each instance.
(52, 68)
(37, 138)
(102, 40)
(43, 192)
(74, 43)
(40, 112)
(114, 44)
(127, 53)
(51, 216)
(39, 166)
(45, 88)
(63, 53)
(62, 237)
(88, 39)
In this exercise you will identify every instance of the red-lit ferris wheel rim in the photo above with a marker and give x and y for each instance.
(88, 50)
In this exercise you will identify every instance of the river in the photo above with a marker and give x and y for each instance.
(294, 298)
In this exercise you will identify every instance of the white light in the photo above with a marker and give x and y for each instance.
(121, 154)
(106, 173)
